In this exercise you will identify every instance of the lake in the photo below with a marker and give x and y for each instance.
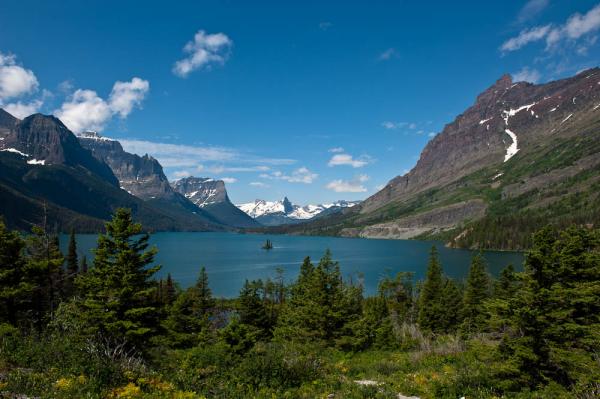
(231, 258)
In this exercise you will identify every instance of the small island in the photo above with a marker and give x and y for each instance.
(268, 245)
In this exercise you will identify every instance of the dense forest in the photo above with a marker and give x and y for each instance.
(113, 330)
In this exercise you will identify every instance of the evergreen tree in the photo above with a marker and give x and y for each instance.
(45, 272)
(83, 268)
(431, 303)
(251, 309)
(189, 315)
(169, 290)
(72, 266)
(476, 292)
(453, 300)
(119, 289)
(320, 305)
(554, 317)
(507, 283)
(15, 289)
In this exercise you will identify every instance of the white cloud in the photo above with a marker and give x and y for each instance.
(349, 186)
(23, 110)
(525, 37)
(431, 134)
(85, 110)
(127, 95)
(203, 51)
(229, 180)
(527, 75)
(387, 54)
(576, 26)
(194, 154)
(218, 169)
(336, 149)
(393, 125)
(15, 80)
(300, 175)
(181, 174)
(347, 159)
(531, 9)
(258, 184)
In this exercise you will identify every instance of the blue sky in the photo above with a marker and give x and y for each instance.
(314, 100)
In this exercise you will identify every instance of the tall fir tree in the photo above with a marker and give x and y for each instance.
(431, 300)
(189, 316)
(72, 266)
(477, 291)
(45, 271)
(118, 292)
(15, 288)
(554, 318)
(452, 298)
(83, 267)
(507, 283)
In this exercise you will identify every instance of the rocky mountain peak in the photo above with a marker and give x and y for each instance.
(287, 205)
(202, 191)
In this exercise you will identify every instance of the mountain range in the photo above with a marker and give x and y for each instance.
(275, 213)
(523, 155)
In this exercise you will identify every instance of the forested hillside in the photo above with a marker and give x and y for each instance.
(112, 330)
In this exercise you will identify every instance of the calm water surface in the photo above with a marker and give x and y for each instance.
(231, 258)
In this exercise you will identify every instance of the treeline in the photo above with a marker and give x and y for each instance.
(114, 330)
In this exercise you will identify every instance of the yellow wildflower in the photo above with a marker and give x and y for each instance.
(128, 391)
(63, 383)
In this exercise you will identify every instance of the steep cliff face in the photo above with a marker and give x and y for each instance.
(45, 140)
(521, 156)
(484, 133)
(140, 176)
(211, 195)
(47, 174)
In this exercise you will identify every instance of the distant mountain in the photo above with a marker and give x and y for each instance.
(274, 213)
(46, 173)
(211, 196)
(522, 156)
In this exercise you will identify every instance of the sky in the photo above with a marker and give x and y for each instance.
(313, 100)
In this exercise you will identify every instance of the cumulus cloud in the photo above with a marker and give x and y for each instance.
(179, 174)
(15, 80)
(127, 95)
(85, 110)
(349, 160)
(22, 110)
(527, 75)
(203, 51)
(229, 180)
(349, 186)
(336, 149)
(576, 26)
(300, 175)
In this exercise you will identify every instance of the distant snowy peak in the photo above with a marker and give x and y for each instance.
(201, 191)
(92, 136)
(284, 207)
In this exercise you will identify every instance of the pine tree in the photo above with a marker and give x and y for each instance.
(554, 318)
(44, 268)
(320, 304)
(72, 268)
(507, 283)
(189, 316)
(476, 292)
(84, 266)
(15, 289)
(431, 305)
(452, 299)
(252, 310)
(170, 293)
(119, 290)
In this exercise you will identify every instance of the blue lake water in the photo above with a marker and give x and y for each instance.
(231, 258)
